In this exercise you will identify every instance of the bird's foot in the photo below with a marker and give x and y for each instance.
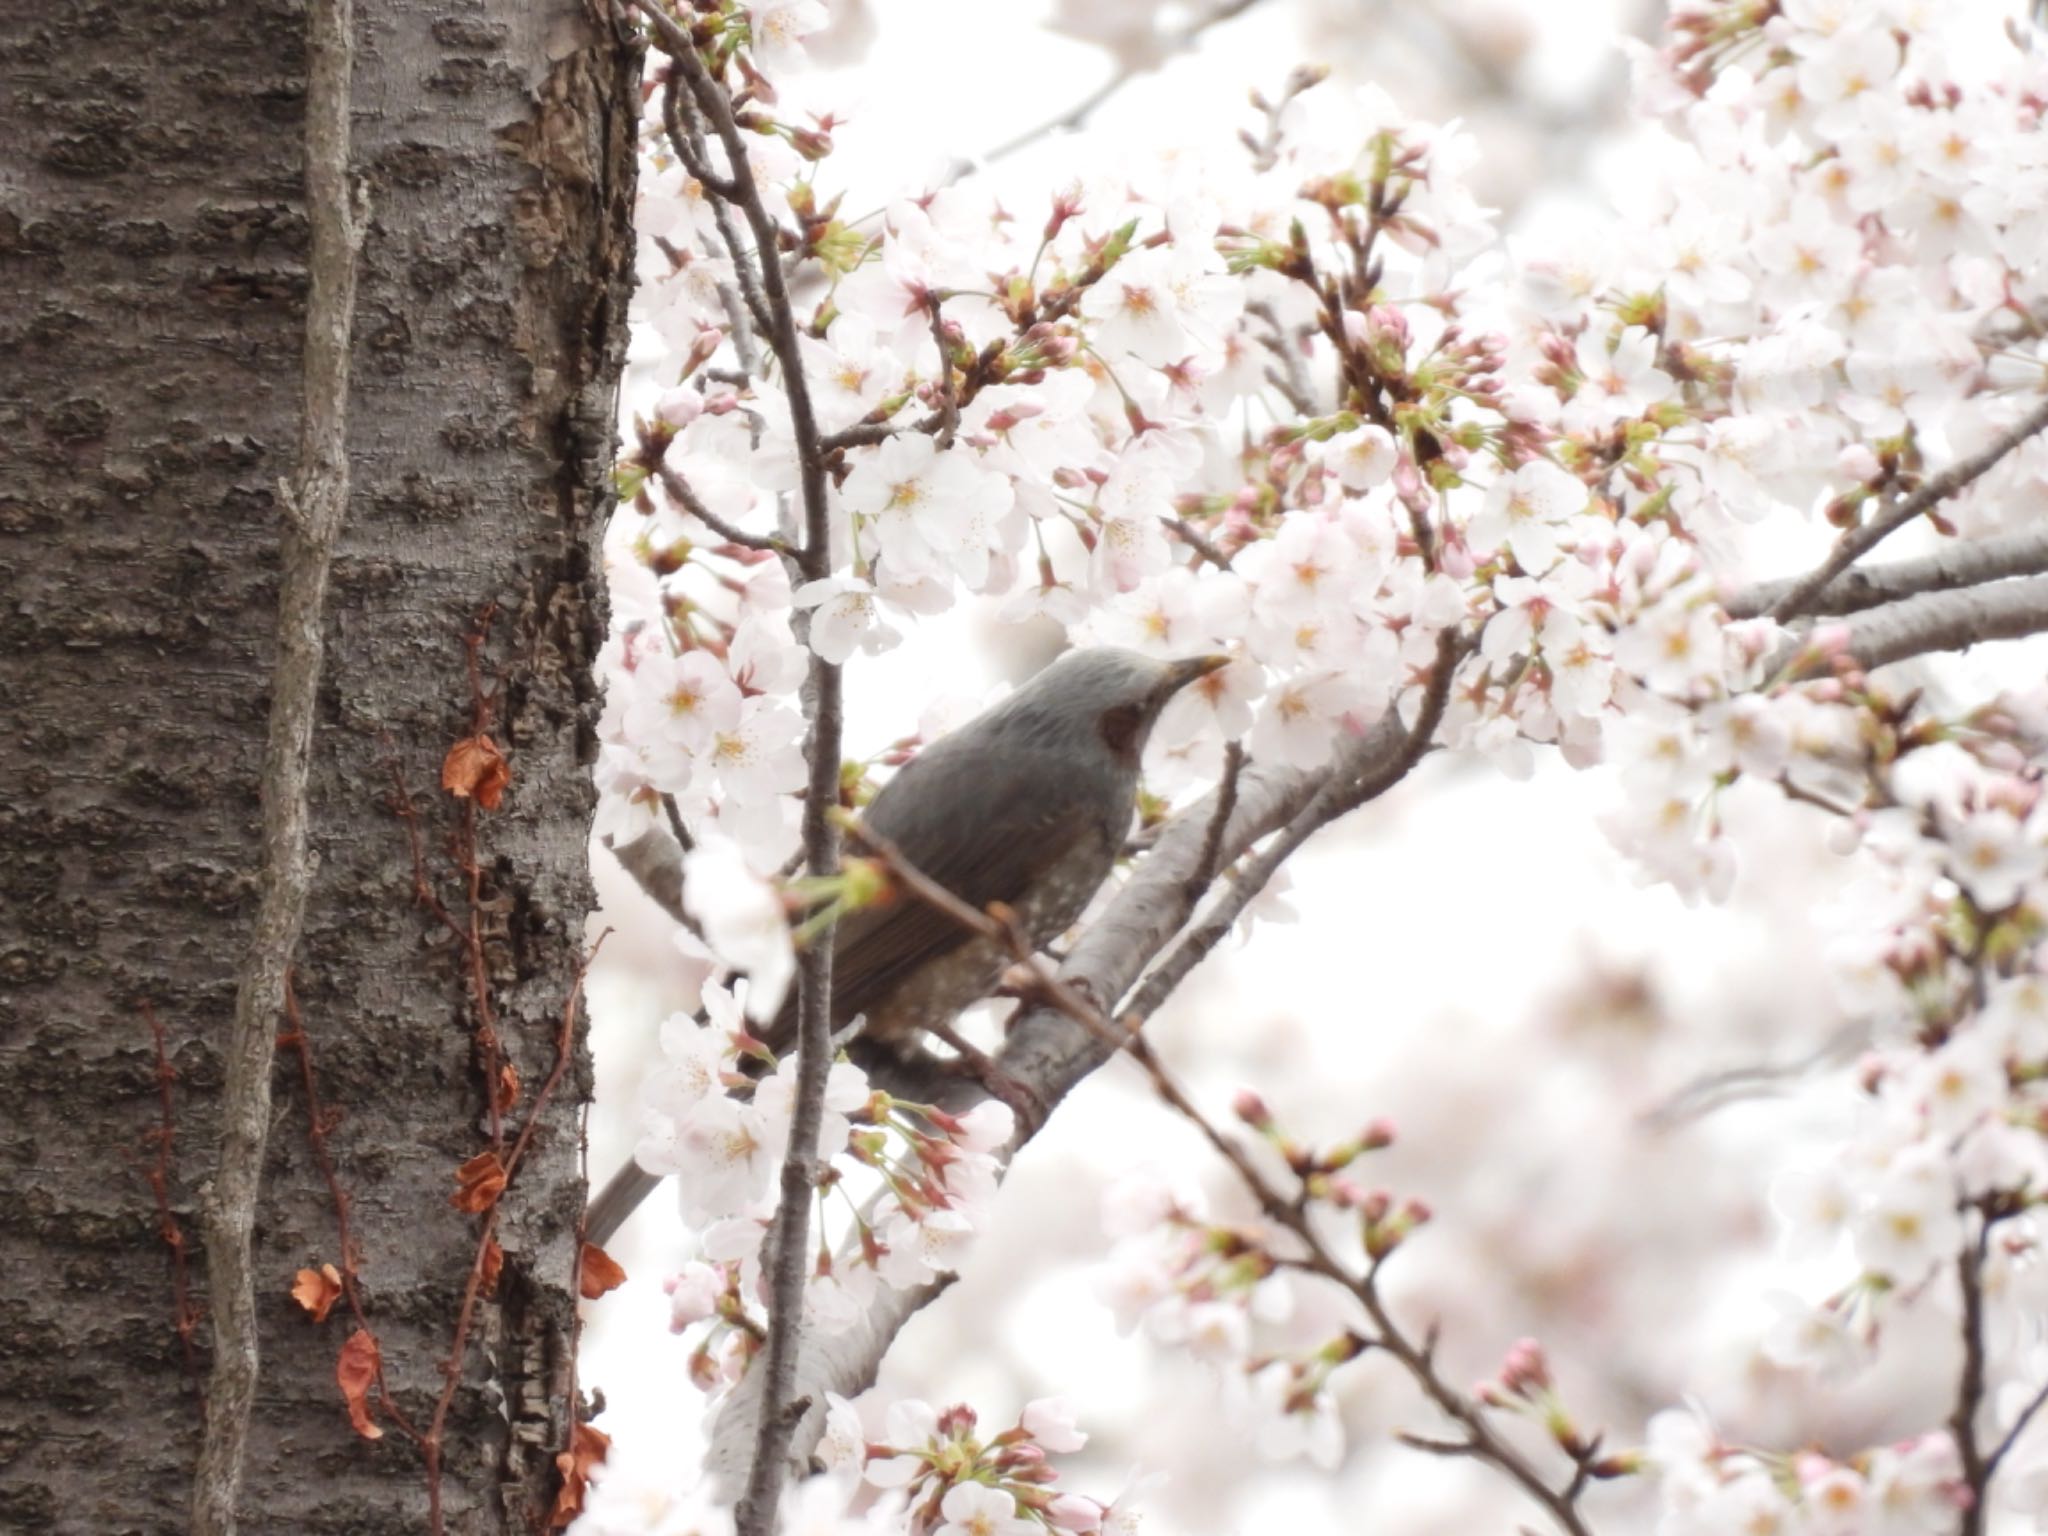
(972, 1061)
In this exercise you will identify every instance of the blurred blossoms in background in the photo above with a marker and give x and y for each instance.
(1296, 407)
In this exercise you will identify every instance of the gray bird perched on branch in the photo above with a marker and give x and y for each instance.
(1026, 804)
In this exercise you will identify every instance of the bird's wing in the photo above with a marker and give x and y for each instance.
(985, 832)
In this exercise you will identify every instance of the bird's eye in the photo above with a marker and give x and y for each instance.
(1120, 727)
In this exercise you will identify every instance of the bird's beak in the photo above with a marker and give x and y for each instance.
(1181, 673)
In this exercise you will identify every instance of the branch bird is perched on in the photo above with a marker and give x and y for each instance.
(1026, 804)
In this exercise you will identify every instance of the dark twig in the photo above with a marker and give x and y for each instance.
(2013, 1432)
(1196, 540)
(862, 434)
(1857, 542)
(1962, 1424)
(1288, 375)
(1338, 796)
(313, 503)
(948, 410)
(1207, 866)
(680, 492)
(741, 300)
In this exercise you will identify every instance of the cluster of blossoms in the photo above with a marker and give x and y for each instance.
(950, 1481)
(1284, 408)
(1914, 1488)
(1829, 292)
(933, 1474)
(1205, 1286)
(914, 1181)
(1887, 159)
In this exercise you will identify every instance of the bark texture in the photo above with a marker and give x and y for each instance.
(152, 279)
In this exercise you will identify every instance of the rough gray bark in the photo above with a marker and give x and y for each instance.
(152, 285)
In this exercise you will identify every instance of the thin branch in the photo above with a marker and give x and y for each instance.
(1079, 113)
(1289, 376)
(1196, 540)
(2013, 1432)
(1339, 795)
(313, 506)
(789, 1254)
(741, 299)
(1858, 542)
(1732, 1085)
(1962, 1424)
(862, 434)
(948, 411)
(1480, 1442)
(1211, 860)
(685, 496)
(1958, 563)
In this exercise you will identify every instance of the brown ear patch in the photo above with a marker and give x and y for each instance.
(1120, 727)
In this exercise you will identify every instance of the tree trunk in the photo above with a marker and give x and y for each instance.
(152, 278)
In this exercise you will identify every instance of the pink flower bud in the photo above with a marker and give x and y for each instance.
(1525, 1371)
(679, 407)
(1251, 1109)
(1389, 325)
(1072, 1512)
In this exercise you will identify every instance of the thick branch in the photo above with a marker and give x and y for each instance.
(1949, 621)
(1858, 542)
(313, 505)
(656, 865)
(1958, 563)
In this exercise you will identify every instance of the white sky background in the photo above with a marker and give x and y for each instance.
(1472, 959)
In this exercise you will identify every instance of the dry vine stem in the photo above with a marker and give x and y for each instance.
(313, 504)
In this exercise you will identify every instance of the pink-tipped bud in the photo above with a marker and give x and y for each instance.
(679, 407)
(1525, 1371)
(1252, 1110)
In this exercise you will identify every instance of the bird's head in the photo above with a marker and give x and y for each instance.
(1114, 695)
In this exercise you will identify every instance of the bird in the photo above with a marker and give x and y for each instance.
(1027, 804)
